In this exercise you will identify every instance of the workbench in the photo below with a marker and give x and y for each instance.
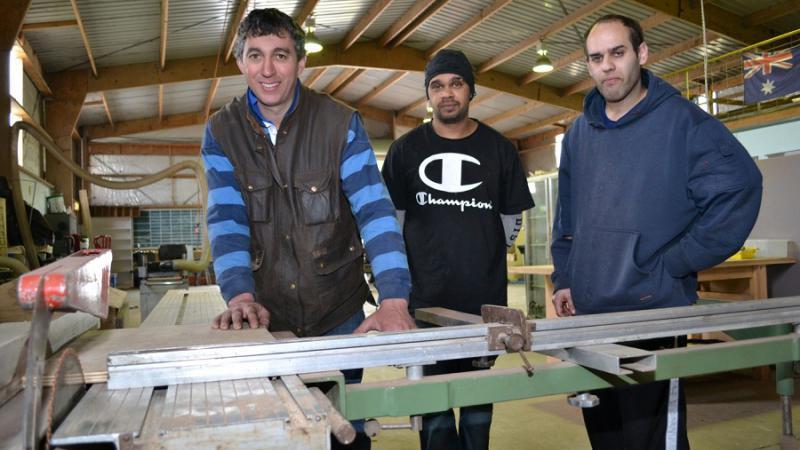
(744, 279)
(170, 384)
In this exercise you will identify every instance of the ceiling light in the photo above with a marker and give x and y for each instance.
(312, 45)
(543, 63)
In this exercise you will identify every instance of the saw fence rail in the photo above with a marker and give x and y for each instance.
(418, 347)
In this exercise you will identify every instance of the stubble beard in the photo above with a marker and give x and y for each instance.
(459, 116)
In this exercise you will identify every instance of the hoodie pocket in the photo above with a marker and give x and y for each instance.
(606, 274)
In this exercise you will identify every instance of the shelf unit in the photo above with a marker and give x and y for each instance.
(121, 231)
(538, 230)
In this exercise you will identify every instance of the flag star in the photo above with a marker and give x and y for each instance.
(767, 87)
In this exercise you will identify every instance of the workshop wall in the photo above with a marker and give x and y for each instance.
(779, 218)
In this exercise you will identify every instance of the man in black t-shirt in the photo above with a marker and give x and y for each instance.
(459, 190)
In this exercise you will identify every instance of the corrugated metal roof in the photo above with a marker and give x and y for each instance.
(48, 11)
(229, 87)
(335, 18)
(58, 48)
(136, 103)
(123, 32)
(395, 10)
(453, 15)
(185, 97)
(197, 27)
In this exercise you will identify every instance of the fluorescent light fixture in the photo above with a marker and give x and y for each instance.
(312, 45)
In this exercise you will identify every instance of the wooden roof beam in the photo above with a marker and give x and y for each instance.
(230, 38)
(49, 25)
(416, 9)
(717, 19)
(363, 55)
(107, 148)
(511, 113)
(340, 79)
(348, 81)
(189, 119)
(106, 108)
(12, 14)
(467, 26)
(162, 53)
(537, 37)
(484, 98)
(524, 130)
(771, 13)
(412, 106)
(160, 102)
(418, 22)
(537, 140)
(368, 19)
(84, 36)
(212, 92)
(647, 24)
(32, 67)
(377, 90)
(308, 8)
(144, 125)
(653, 58)
(316, 74)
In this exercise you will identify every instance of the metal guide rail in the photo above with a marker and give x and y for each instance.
(424, 346)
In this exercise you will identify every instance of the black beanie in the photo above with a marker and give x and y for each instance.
(450, 61)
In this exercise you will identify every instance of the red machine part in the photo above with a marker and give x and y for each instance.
(78, 282)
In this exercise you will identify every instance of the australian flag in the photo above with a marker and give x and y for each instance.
(771, 75)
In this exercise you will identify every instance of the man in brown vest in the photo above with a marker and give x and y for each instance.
(294, 190)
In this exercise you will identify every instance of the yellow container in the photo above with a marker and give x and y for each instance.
(744, 253)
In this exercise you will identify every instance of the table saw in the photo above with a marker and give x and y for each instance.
(176, 383)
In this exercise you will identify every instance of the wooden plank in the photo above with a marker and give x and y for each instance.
(84, 36)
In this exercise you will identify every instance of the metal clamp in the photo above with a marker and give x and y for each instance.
(512, 335)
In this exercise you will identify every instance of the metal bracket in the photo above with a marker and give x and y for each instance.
(610, 358)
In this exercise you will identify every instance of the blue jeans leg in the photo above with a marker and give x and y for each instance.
(352, 376)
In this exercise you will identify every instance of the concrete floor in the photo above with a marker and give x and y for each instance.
(732, 411)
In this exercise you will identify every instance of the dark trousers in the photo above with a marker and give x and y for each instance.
(649, 416)
(439, 429)
(352, 376)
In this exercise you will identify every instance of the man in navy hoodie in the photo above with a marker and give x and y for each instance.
(652, 190)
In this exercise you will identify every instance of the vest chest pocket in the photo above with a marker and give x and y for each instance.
(257, 189)
(315, 197)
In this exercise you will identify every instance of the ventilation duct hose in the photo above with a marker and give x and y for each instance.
(54, 150)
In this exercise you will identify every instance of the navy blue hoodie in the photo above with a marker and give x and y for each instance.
(665, 193)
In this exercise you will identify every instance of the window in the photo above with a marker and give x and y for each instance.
(16, 75)
(154, 227)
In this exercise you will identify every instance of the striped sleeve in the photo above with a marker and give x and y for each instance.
(228, 226)
(375, 214)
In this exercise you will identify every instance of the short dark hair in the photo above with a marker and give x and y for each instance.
(265, 22)
(635, 31)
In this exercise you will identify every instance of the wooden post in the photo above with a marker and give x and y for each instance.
(11, 16)
(69, 92)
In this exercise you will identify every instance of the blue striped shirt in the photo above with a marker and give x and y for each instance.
(229, 230)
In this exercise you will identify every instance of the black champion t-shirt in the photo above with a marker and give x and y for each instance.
(453, 192)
